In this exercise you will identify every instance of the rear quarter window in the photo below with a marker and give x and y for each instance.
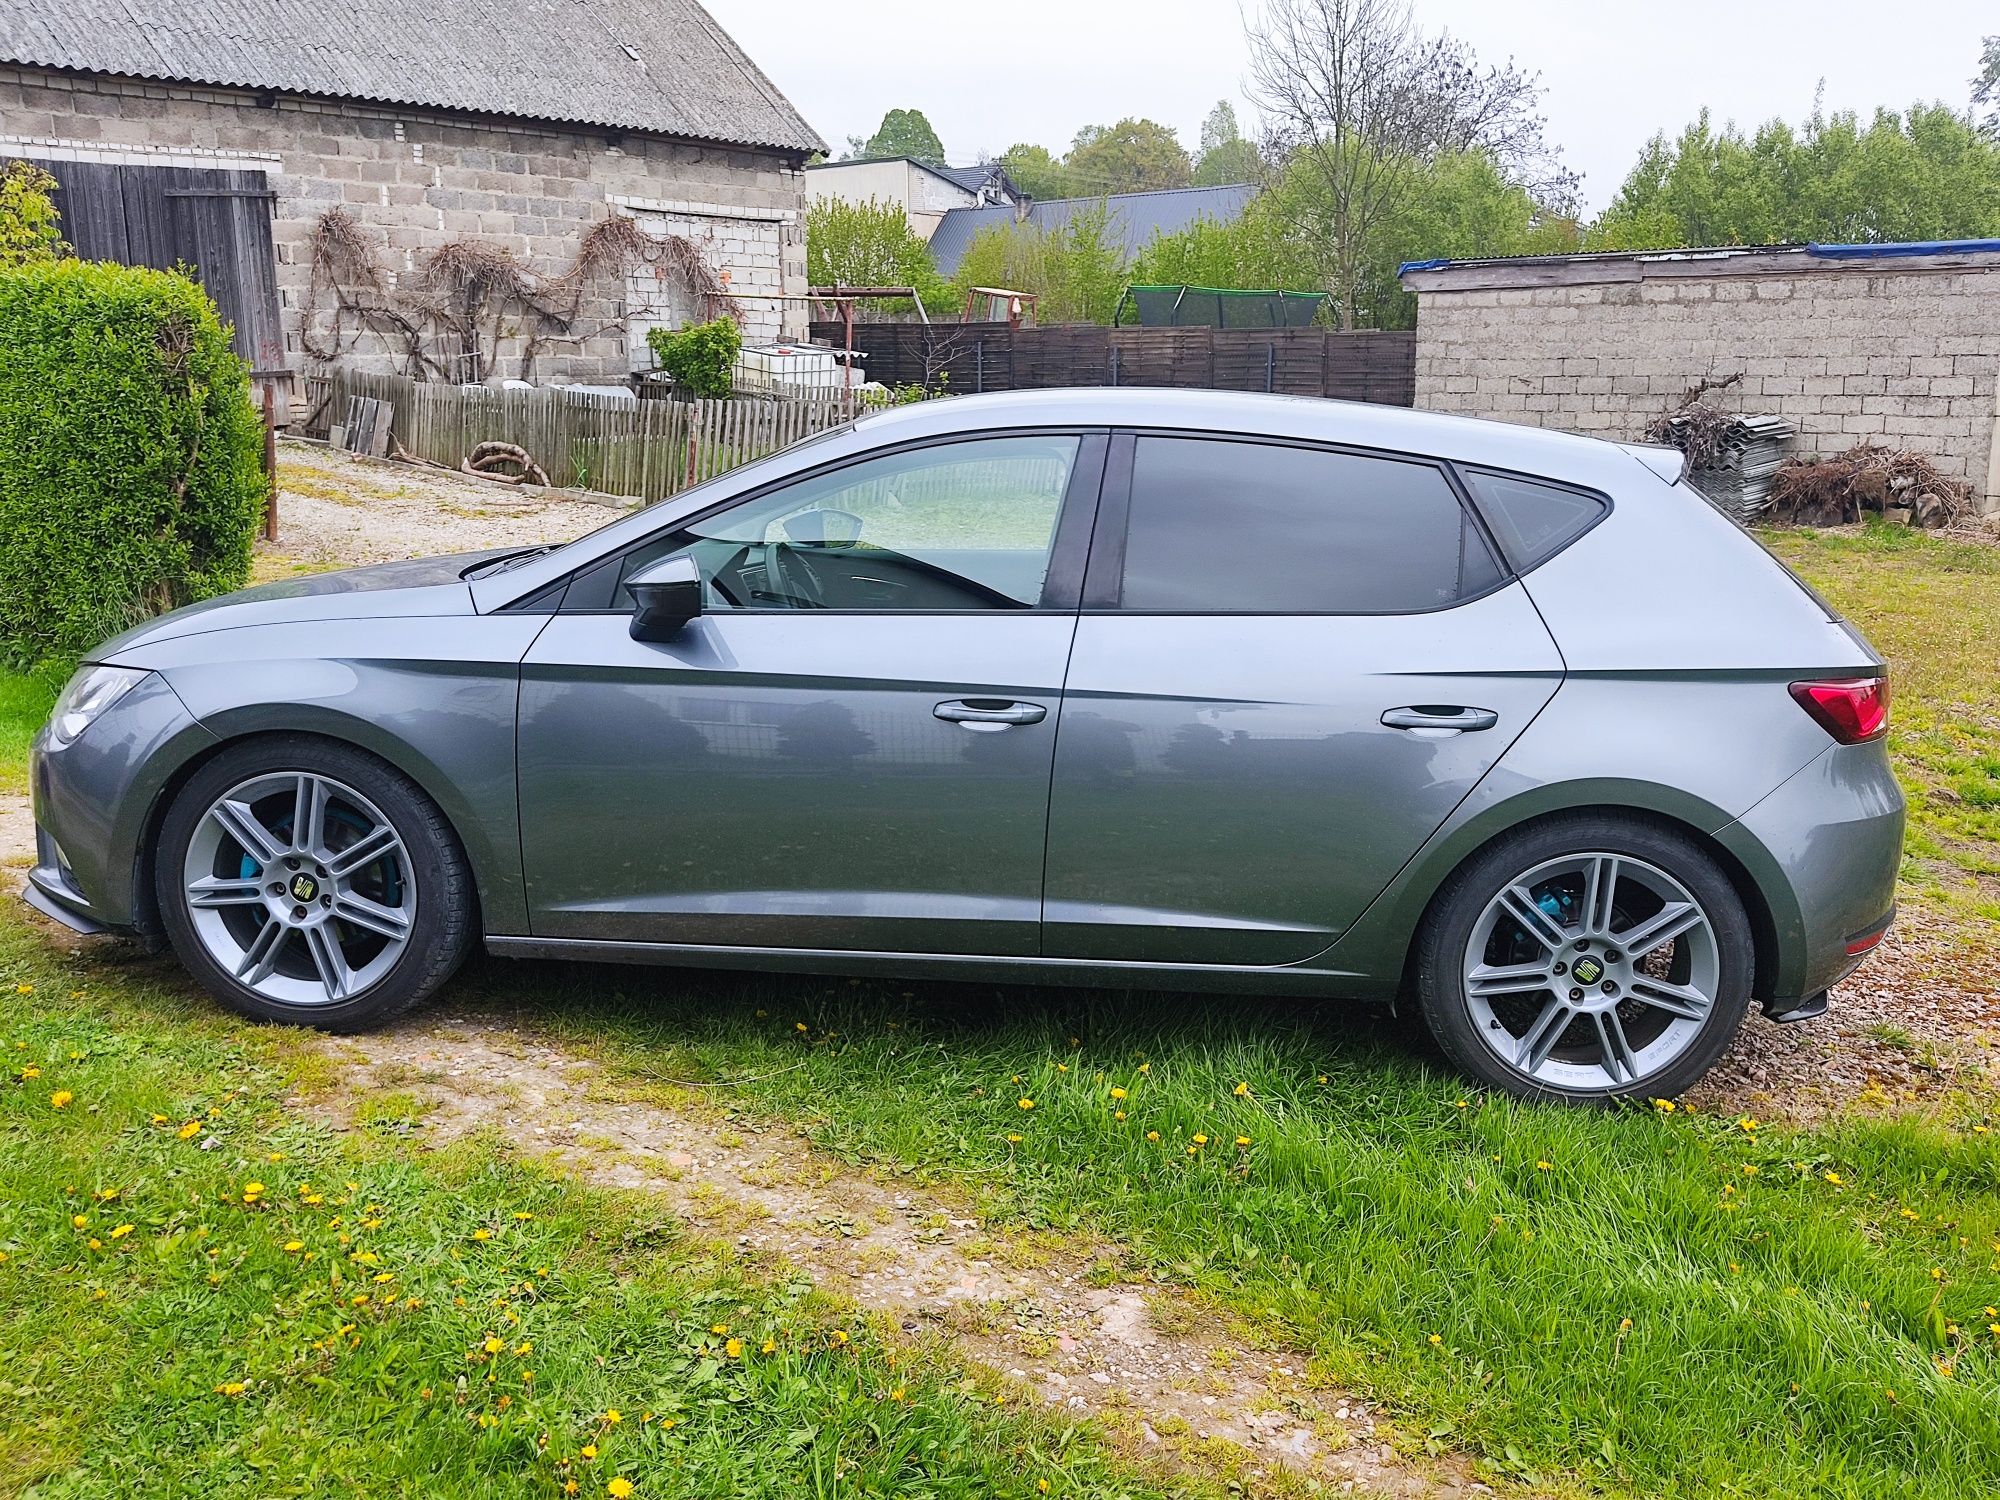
(1532, 519)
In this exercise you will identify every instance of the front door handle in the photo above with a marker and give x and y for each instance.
(989, 713)
(1439, 719)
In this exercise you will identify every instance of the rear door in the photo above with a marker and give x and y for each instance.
(851, 747)
(1292, 663)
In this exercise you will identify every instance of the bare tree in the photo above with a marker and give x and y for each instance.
(1356, 90)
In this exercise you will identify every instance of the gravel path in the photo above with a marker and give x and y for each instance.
(335, 510)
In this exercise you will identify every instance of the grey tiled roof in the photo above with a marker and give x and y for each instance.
(1135, 217)
(556, 60)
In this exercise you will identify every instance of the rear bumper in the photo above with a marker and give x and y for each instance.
(1824, 849)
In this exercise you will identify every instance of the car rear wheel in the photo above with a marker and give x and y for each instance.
(306, 881)
(1587, 958)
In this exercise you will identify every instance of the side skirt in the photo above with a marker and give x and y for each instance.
(1114, 974)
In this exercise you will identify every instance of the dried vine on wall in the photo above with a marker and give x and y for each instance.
(471, 297)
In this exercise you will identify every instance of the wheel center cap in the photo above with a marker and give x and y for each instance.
(1587, 970)
(304, 887)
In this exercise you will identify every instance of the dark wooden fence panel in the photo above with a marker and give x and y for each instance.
(968, 357)
(215, 222)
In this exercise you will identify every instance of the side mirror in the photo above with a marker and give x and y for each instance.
(668, 594)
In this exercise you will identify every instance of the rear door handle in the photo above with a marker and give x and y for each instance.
(989, 713)
(1437, 718)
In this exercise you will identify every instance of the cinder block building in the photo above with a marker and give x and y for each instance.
(1891, 344)
(413, 186)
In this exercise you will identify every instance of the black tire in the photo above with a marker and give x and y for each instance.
(446, 909)
(1448, 929)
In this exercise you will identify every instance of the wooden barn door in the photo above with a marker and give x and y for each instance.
(215, 222)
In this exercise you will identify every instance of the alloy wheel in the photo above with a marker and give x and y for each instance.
(300, 888)
(1591, 972)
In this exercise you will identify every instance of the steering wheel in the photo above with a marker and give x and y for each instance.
(793, 577)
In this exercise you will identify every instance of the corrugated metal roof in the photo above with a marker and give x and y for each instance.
(1135, 217)
(565, 61)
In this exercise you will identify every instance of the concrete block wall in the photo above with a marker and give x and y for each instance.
(416, 180)
(1851, 351)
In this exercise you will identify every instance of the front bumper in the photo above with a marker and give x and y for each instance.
(1824, 849)
(93, 802)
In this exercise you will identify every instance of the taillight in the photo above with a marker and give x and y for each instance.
(1851, 709)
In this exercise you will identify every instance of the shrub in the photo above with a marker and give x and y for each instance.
(700, 356)
(28, 219)
(130, 459)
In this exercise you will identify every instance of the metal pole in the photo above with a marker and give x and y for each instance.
(979, 366)
(1114, 364)
(1270, 367)
(270, 467)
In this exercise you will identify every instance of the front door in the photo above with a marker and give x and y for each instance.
(851, 747)
(1292, 664)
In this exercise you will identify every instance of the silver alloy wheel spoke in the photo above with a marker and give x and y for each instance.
(1578, 993)
(301, 888)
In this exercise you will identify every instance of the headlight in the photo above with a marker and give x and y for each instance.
(89, 693)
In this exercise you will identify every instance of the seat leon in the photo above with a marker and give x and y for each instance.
(1149, 689)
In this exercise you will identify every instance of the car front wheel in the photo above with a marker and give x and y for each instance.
(1587, 958)
(303, 880)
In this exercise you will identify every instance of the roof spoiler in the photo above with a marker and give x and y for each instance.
(1669, 463)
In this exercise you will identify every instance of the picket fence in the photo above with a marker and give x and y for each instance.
(644, 449)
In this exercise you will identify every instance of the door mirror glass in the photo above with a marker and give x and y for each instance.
(668, 594)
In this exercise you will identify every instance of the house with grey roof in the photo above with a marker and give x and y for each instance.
(227, 134)
(925, 191)
(1134, 218)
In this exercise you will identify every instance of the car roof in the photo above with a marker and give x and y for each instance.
(1500, 445)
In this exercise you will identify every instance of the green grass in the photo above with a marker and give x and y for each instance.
(1932, 607)
(369, 1322)
(24, 702)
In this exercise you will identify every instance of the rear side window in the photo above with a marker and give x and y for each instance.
(1532, 520)
(1221, 527)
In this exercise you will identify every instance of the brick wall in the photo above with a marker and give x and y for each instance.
(1903, 353)
(416, 180)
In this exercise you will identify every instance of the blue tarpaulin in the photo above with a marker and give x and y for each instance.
(1901, 247)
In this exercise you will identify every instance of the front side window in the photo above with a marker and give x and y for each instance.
(1231, 527)
(965, 525)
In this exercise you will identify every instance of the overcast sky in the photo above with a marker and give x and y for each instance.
(1037, 70)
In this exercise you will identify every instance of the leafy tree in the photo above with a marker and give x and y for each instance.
(29, 229)
(1036, 171)
(1366, 101)
(1129, 157)
(869, 244)
(1986, 87)
(1225, 155)
(1926, 174)
(905, 132)
(1076, 269)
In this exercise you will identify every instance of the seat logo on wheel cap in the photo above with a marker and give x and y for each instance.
(304, 888)
(1587, 970)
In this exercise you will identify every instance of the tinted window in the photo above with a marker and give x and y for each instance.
(1254, 528)
(1531, 520)
(959, 526)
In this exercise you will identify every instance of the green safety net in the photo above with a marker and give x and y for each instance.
(1216, 307)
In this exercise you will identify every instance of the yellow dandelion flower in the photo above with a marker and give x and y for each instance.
(1145, 1067)
(799, 1026)
(60, 1099)
(590, 1450)
(1152, 1135)
(1624, 1325)
(769, 1346)
(839, 1336)
(121, 1231)
(493, 1345)
(1749, 1169)
(77, 1221)
(1665, 1106)
(1437, 1341)
(1024, 1103)
(231, 1388)
(482, 1234)
(24, 989)
(718, 1329)
(190, 1130)
(1241, 1091)
(619, 1488)
(733, 1349)
(611, 1417)
(1243, 1140)
(29, 1072)
(1118, 1114)
(1544, 1166)
(1832, 1177)
(1462, 1104)
(570, 1486)
(1118, 1093)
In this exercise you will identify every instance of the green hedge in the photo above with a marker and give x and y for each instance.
(131, 461)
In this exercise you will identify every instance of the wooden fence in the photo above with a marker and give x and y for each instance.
(649, 449)
(1371, 366)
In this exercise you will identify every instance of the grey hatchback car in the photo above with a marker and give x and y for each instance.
(1139, 688)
